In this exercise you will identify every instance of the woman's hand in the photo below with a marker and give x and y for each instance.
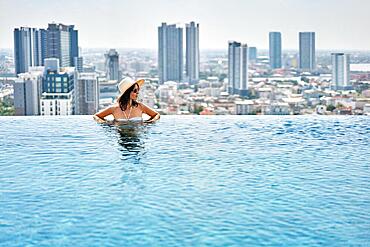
(99, 116)
(154, 116)
(98, 119)
(149, 121)
(153, 119)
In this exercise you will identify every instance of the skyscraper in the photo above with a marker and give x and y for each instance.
(307, 60)
(62, 43)
(78, 64)
(340, 70)
(86, 94)
(252, 53)
(112, 65)
(238, 68)
(27, 93)
(275, 49)
(29, 48)
(170, 53)
(192, 52)
(74, 50)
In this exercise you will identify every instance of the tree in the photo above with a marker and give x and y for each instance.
(198, 109)
(330, 108)
(305, 79)
(6, 108)
(339, 105)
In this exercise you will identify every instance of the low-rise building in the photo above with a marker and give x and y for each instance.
(245, 107)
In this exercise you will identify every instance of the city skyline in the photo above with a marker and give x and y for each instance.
(220, 21)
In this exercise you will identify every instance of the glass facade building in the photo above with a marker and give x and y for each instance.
(29, 48)
(112, 65)
(340, 71)
(192, 52)
(62, 43)
(170, 53)
(307, 59)
(275, 50)
(58, 82)
(252, 56)
(238, 68)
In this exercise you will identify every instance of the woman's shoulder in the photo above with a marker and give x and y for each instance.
(141, 104)
(114, 106)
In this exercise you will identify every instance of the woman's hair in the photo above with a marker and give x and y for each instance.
(124, 99)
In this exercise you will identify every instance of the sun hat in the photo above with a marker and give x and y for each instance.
(127, 82)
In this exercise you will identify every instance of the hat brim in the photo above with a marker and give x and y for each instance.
(140, 82)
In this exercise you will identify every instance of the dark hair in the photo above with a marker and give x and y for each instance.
(124, 99)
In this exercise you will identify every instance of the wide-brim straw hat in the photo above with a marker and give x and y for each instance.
(127, 82)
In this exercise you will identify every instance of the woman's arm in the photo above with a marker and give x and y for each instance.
(154, 116)
(99, 116)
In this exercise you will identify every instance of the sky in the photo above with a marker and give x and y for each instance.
(339, 24)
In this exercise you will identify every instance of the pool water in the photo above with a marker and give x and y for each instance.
(185, 181)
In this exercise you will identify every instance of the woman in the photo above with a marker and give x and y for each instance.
(127, 109)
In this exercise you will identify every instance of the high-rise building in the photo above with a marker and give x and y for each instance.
(27, 94)
(62, 43)
(29, 48)
(340, 70)
(307, 60)
(78, 64)
(58, 92)
(252, 54)
(32, 46)
(192, 52)
(86, 94)
(74, 49)
(58, 82)
(112, 65)
(170, 53)
(275, 50)
(238, 68)
(51, 65)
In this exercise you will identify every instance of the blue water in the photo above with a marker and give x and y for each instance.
(185, 181)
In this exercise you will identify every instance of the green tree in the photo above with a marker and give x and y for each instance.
(339, 105)
(305, 79)
(330, 108)
(6, 108)
(198, 109)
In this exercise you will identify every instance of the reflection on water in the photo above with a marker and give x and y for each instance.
(129, 138)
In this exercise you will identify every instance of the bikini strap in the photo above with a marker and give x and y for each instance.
(129, 114)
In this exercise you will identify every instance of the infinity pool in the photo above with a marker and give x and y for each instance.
(185, 181)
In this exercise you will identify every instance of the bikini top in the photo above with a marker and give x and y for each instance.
(128, 119)
(133, 119)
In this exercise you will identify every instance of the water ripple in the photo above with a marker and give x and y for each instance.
(185, 181)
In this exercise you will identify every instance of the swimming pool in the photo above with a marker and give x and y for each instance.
(185, 181)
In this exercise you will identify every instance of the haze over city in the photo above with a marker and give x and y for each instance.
(339, 24)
